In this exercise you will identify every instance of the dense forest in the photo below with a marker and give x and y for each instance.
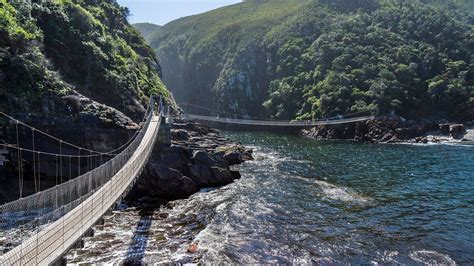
(50, 50)
(310, 59)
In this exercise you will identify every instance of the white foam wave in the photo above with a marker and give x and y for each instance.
(334, 192)
(341, 193)
(210, 243)
(457, 143)
(469, 134)
(429, 257)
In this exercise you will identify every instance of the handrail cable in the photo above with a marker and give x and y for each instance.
(75, 146)
(48, 201)
(271, 119)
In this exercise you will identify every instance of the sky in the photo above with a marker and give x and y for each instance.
(161, 12)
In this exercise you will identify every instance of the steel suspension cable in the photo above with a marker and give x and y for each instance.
(67, 195)
(79, 163)
(101, 202)
(50, 153)
(261, 119)
(219, 112)
(34, 160)
(57, 170)
(39, 171)
(19, 161)
(61, 161)
(75, 146)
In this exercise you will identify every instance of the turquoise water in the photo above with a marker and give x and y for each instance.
(322, 201)
(304, 201)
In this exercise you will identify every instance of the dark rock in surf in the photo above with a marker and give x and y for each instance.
(457, 131)
(198, 158)
(179, 134)
(444, 128)
(221, 176)
(386, 129)
(165, 182)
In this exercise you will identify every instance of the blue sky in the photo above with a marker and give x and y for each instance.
(163, 11)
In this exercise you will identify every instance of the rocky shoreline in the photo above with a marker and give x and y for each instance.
(199, 157)
(392, 129)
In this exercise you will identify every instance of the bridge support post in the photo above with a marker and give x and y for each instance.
(164, 134)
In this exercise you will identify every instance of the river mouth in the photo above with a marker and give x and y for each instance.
(304, 201)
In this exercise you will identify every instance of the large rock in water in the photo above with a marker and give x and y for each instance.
(165, 182)
(198, 158)
(457, 131)
(444, 128)
(179, 134)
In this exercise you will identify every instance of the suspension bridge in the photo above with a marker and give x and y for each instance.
(60, 216)
(47, 223)
(236, 119)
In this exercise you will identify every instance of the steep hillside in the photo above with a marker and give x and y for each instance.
(311, 59)
(53, 49)
(148, 30)
(75, 69)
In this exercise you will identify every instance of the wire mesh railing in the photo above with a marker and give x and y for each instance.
(92, 200)
(64, 195)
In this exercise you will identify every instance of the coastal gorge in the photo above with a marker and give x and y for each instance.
(236, 132)
(308, 59)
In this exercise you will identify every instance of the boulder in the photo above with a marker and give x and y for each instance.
(203, 157)
(163, 182)
(411, 132)
(457, 131)
(201, 174)
(198, 158)
(235, 175)
(195, 127)
(423, 140)
(179, 134)
(175, 157)
(233, 157)
(222, 176)
(444, 128)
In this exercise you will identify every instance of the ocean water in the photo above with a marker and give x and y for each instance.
(306, 201)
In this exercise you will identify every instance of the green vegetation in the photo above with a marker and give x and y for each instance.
(148, 30)
(52, 48)
(310, 59)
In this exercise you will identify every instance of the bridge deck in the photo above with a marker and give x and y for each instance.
(48, 245)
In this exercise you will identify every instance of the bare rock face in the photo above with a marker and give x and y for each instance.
(198, 158)
(457, 131)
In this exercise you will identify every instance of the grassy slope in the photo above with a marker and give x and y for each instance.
(255, 17)
(147, 30)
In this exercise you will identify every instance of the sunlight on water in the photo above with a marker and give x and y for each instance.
(304, 201)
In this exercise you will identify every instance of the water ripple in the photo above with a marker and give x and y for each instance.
(305, 202)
